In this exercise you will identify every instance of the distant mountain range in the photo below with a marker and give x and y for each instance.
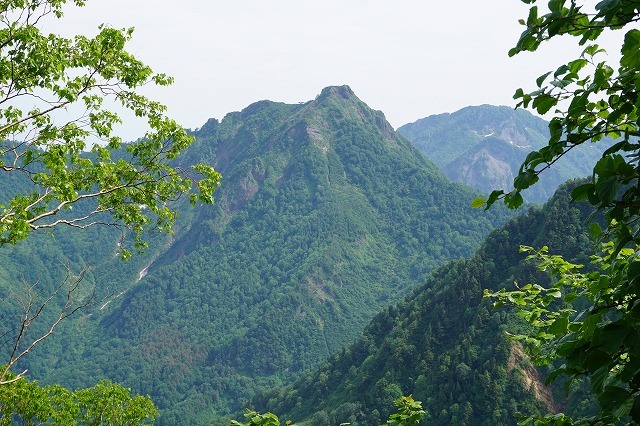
(324, 217)
(484, 146)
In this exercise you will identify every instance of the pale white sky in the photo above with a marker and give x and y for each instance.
(408, 58)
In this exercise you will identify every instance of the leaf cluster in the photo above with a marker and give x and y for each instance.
(593, 323)
(599, 341)
(57, 128)
(409, 412)
(106, 403)
(590, 100)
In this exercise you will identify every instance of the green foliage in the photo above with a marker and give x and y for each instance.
(256, 419)
(600, 101)
(110, 403)
(43, 79)
(63, 165)
(106, 403)
(588, 320)
(600, 341)
(539, 305)
(409, 412)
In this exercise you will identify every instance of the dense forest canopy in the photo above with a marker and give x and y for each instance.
(444, 344)
(326, 216)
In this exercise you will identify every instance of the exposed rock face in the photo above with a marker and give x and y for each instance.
(482, 171)
(520, 365)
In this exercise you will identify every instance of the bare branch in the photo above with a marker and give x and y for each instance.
(32, 309)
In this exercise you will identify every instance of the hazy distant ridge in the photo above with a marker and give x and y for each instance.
(483, 146)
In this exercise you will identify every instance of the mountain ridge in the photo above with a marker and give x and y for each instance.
(324, 216)
(443, 343)
(483, 147)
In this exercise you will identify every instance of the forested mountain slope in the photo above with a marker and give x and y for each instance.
(325, 216)
(46, 265)
(483, 147)
(443, 343)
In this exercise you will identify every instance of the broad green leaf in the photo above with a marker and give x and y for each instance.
(493, 197)
(633, 271)
(610, 337)
(577, 65)
(559, 326)
(607, 5)
(554, 374)
(581, 192)
(595, 359)
(478, 202)
(542, 78)
(595, 231)
(599, 378)
(544, 103)
(556, 5)
(635, 410)
(555, 128)
(631, 49)
(617, 400)
(514, 200)
(607, 190)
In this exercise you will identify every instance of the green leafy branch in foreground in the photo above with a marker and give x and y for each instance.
(589, 98)
(409, 412)
(106, 403)
(256, 419)
(601, 341)
(58, 130)
(58, 139)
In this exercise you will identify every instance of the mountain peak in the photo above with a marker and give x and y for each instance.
(345, 105)
(343, 92)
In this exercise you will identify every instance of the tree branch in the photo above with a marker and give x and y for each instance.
(71, 306)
